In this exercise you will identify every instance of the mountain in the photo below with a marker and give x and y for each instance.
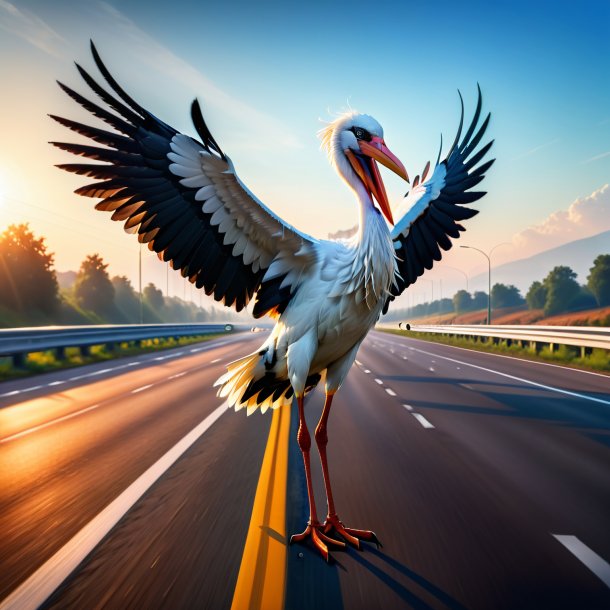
(578, 255)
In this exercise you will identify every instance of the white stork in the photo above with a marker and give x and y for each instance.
(184, 199)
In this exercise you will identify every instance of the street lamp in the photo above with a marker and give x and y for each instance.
(460, 270)
(488, 257)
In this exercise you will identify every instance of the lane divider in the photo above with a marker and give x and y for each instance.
(32, 593)
(598, 565)
(261, 582)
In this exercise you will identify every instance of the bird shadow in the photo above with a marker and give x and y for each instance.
(403, 591)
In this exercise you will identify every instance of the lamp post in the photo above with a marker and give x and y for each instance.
(460, 271)
(488, 280)
(488, 257)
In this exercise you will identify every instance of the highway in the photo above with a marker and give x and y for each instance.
(127, 484)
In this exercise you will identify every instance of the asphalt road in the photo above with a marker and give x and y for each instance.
(466, 465)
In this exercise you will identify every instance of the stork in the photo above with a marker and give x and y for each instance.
(183, 198)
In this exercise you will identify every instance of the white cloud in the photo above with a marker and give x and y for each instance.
(536, 149)
(584, 217)
(31, 28)
(597, 157)
(160, 58)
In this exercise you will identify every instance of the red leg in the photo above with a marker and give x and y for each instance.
(332, 523)
(314, 527)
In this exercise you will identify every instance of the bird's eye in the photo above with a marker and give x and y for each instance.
(361, 134)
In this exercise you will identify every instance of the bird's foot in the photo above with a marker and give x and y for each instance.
(333, 525)
(315, 532)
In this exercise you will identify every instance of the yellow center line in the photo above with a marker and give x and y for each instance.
(262, 573)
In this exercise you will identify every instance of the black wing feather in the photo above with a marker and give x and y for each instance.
(135, 183)
(420, 243)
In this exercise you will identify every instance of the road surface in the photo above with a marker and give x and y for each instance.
(486, 478)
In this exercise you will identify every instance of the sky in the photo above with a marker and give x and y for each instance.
(269, 73)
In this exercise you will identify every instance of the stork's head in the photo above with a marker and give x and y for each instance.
(354, 142)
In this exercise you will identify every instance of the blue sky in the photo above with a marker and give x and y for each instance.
(266, 74)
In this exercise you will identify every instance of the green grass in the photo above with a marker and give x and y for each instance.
(43, 362)
(597, 360)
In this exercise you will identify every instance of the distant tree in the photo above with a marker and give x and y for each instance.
(153, 297)
(126, 299)
(536, 296)
(27, 278)
(479, 300)
(93, 289)
(462, 301)
(505, 296)
(598, 280)
(562, 288)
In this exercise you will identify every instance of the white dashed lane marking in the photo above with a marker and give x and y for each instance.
(177, 375)
(378, 381)
(408, 407)
(367, 371)
(216, 360)
(422, 420)
(144, 387)
(390, 392)
(598, 565)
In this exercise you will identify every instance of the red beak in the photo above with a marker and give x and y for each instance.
(367, 170)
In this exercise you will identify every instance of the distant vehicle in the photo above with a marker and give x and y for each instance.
(407, 326)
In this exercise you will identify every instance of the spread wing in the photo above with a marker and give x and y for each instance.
(435, 205)
(183, 198)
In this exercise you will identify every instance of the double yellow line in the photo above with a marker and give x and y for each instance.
(261, 581)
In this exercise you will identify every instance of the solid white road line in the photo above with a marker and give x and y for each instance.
(390, 392)
(599, 566)
(422, 420)
(536, 362)
(41, 584)
(515, 378)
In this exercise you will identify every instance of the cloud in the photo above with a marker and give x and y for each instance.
(596, 158)
(536, 149)
(159, 57)
(31, 28)
(584, 217)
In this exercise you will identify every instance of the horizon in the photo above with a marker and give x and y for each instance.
(549, 102)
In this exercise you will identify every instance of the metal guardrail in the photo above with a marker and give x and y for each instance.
(17, 342)
(577, 336)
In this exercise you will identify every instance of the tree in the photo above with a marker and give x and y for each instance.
(93, 289)
(598, 280)
(153, 297)
(126, 299)
(462, 301)
(505, 296)
(27, 278)
(536, 296)
(479, 300)
(562, 289)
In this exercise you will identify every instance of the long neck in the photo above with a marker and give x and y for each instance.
(372, 243)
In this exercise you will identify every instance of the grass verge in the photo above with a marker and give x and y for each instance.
(44, 362)
(598, 360)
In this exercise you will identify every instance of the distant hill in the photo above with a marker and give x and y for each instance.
(578, 255)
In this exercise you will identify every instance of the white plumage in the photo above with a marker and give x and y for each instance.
(185, 201)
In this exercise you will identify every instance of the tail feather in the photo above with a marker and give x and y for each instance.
(249, 383)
